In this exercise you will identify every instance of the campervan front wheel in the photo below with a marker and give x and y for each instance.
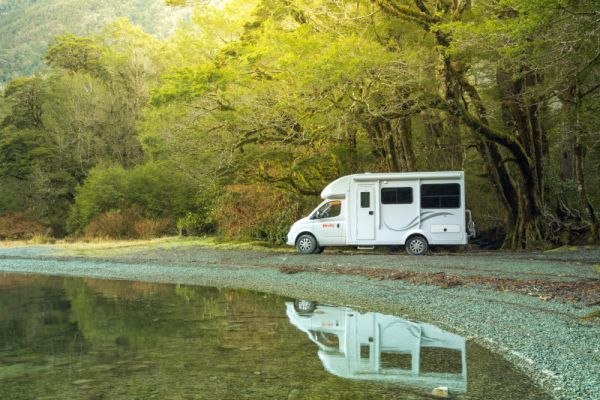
(416, 245)
(307, 244)
(304, 306)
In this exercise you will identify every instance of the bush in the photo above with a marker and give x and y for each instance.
(151, 228)
(18, 226)
(258, 212)
(128, 224)
(160, 191)
(112, 224)
(195, 224)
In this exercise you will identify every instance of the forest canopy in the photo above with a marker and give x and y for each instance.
(234, 123)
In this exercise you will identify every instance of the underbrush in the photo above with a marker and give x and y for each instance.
(128, 224)
(258, 213)
(18, 226)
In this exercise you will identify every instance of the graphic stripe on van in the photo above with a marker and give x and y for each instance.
(424, 217)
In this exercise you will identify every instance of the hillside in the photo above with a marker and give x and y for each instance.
(27, 26)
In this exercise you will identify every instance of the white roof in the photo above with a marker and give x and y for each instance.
(338, 188)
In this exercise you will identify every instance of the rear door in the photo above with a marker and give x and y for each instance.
(365, 212)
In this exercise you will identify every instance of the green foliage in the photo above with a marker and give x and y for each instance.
(75, 53)
(28, 26)
(24, 96)
(159, 191)
(258, 212)
(195, 224)
(269, 100)
(22, 150)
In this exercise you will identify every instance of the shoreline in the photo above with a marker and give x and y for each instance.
(548, 340)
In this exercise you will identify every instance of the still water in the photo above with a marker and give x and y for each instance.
(75, 338)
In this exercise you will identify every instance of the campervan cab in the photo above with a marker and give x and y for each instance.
(415, 209)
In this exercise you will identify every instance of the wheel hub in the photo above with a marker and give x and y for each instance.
(305, 244)
(417, 246)
(304, 305)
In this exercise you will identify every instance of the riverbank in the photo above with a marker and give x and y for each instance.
(536, 309)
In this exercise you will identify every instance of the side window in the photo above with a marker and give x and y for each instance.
(329, 210)
(446, 195)
(365, 199)
(401, 195)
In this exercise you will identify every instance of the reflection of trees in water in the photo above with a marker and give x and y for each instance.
(38, 321)
(107, 339)
(188, 336)
(125, 290)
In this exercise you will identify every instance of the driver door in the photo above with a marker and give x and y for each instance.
(329, 223)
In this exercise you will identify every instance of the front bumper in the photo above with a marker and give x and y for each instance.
(291, 239)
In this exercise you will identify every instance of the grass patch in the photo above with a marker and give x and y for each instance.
(571, 248)
(106, 248)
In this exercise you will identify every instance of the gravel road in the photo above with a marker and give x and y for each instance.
(528, 317)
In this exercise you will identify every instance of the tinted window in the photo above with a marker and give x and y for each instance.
(445, 195)
(396, 196)
(365, 199)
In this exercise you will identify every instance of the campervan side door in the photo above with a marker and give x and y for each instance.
(365, 212)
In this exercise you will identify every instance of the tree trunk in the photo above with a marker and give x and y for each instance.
(579, 173)
(522, 148)
(404, 149)
(520, 115)
(443, 142)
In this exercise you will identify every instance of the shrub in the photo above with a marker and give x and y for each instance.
(18, 225)
(258, 212)
(112, 224)
(128, 224)
(146, 228)
(159, 190)
(195, 224)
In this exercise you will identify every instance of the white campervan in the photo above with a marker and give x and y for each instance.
(415, 209)
(384, 348)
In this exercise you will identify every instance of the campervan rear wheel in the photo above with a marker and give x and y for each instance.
(416, 245)
(307, 244)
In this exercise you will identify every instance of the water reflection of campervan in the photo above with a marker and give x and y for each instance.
(416, 209)
(373, 346)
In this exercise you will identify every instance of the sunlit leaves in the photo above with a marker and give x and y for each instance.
(75, 53)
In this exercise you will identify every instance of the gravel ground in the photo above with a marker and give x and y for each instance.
(549, 340)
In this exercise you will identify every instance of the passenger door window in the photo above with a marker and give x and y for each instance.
(329, 210)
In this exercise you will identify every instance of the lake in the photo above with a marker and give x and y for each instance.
(79, 338)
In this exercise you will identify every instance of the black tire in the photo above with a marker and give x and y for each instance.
(320, 250)
(417, 245)
(307, 244)
(304, 306)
